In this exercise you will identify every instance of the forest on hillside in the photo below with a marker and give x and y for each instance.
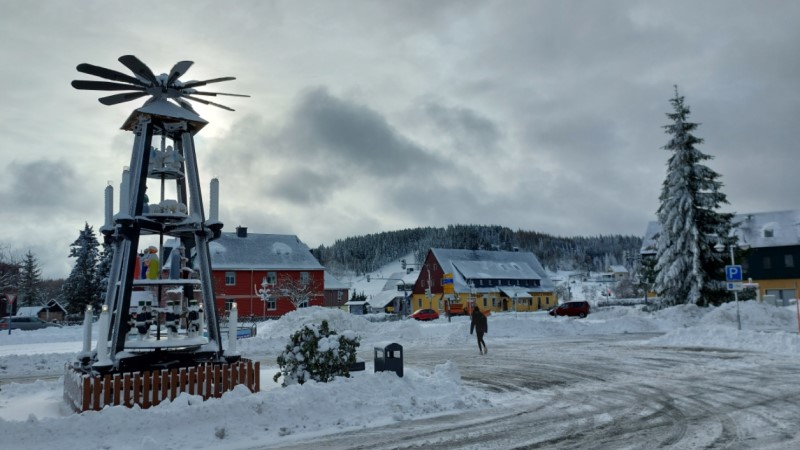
(363, 254)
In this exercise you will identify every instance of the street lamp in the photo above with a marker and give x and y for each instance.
(720, 247)
(265, 293)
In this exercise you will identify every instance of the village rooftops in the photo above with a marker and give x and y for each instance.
(251, 251)
(759, 230)
(473, 265)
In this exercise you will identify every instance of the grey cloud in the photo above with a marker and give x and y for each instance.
(43, 186)
(540, 115)
(301, 185)
(353, 135)
(325, 142)
(469, 130)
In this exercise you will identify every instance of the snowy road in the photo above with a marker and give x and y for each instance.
(603, 392)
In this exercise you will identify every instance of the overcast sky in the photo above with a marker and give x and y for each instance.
(372, 116)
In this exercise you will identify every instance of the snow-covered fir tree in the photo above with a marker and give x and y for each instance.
(80, 288)
(688, 268)
(30, 293)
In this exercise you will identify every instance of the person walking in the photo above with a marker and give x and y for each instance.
(480, 325)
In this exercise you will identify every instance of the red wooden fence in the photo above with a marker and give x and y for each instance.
(85, 392)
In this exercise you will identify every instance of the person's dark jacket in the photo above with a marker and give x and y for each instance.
(478, 322)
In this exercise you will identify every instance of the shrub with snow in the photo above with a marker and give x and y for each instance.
(317, 353)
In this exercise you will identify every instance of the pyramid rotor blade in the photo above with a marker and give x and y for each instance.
(138, 67)
(185, 104)
(108, 74)
(218, 93)
(104, 86)
(192, 84)
(206, 102)
(119, 98)
(178, 70)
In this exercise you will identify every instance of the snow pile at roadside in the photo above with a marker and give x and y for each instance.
(765, 328)
(239, 417)
(45, 335)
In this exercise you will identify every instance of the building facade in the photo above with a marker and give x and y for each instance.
(264, 274)
(336, 293)
(492, 280)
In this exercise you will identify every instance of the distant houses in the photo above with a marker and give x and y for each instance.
(254, 271)
(52, 311)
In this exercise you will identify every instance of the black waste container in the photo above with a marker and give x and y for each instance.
(389, 357)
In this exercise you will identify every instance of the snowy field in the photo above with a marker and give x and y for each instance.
(33, 414)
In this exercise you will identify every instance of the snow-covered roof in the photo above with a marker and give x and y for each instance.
(33, 311)
(648, 241)
(766, 229)
(29, 311)
(355, 303)
(486, 264)
(393, 280)
(384, 298)
(769, 229)
(515, 291)
(331, 282)
(618, 269)
(261, 252)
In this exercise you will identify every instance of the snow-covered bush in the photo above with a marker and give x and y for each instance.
(317, 353)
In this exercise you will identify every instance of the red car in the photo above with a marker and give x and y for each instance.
(425, 314)
(571, 309)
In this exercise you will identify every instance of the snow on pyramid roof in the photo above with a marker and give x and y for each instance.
(261, 252)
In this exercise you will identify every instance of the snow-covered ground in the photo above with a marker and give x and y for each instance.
(33, 415)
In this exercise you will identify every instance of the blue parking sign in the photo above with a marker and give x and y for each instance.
(733, 273)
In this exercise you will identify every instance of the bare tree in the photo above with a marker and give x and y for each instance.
(9, 277)
(298, 291)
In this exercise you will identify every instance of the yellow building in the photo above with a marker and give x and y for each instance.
(492, 280)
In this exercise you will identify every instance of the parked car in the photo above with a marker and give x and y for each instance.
(425, 314)
(571, 309)
(25, 323)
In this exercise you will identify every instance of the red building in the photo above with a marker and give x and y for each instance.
(264, 274)
(336, 293)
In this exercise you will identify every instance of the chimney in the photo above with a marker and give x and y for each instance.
(241, 232)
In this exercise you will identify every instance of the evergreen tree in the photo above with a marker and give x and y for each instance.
(30, 292)
(317, 353)
(687, 265)
(103, 270)
(81, 288)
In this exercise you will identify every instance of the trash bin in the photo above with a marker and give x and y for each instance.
(389, 357)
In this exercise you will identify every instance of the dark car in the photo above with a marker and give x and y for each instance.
(571, 309)
(25, 323)
(425, 314)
